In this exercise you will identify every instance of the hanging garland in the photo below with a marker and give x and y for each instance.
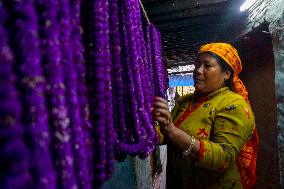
(56, 91)
(119, 89)
(79, 132)
(99, 79)
(14, 154)
(26, 44)
(133, 61)
(160, 74)
(83, 145)
(77, 121)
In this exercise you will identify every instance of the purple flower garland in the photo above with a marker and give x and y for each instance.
(59, 118)
(120, 71)
(160, 74)
(71, 81)
(27, 48)
(130, 53)
(119, 89)
(150, 66)
(14, 155)
(134, 61)
(110, 133)
(158, 41)
(83, 146)
(99, 62)
(146, 82)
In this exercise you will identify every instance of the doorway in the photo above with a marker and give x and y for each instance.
(258, 75)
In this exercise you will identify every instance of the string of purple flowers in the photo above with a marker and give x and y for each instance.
(136, 142)
(158, 43)
(79, 134)
(14, 155)
(149, 56)
(85, 133)
(160, 75)
(110, 132)
(32, 85)
(146, 83)
(83, 143)
(59, 118)
(99, 59)
(118, 84)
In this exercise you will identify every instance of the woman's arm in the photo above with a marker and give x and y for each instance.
(172, 135)
(232, 126)
(181, 140)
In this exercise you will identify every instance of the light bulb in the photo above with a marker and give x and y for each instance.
(247, 4)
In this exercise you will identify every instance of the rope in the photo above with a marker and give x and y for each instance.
(144, 12)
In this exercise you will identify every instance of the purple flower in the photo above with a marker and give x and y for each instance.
(134, 51)
(53, 60)
(14, 154)
(99, 79)
(32, 84)
(160, 77)
(70, 41)
(83, 142)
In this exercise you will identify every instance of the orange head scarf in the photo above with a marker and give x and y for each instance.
(246, 160)
(228, 53)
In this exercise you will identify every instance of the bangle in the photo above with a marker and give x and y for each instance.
(189, 149)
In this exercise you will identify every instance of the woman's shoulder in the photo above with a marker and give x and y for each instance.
(231, 98)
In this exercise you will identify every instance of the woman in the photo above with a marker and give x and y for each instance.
(211, 135)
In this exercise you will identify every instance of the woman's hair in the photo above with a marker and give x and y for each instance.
(224, 67)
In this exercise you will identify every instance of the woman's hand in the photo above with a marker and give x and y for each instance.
(162, 114)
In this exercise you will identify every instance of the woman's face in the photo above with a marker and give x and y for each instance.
(208, 75)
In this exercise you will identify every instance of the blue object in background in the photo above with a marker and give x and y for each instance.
(181, 80)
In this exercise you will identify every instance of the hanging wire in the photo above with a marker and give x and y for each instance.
(144, 12)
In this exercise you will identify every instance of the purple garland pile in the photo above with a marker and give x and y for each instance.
(77, 84)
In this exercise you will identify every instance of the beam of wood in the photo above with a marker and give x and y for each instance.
(192, 21)
(184, 34)
(186, 13)
(193, 28)
(187, 38)
(167, 6)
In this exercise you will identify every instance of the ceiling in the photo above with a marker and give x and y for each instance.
(187, 24)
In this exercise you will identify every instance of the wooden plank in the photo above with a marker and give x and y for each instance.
(193, 28)
(192, 21)
(167, 6)
(190, 12)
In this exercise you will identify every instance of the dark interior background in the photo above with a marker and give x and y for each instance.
(259, 76)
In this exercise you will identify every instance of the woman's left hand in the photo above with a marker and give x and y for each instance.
(162, 114)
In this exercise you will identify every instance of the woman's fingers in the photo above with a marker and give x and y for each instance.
(163, 121)
(160, 99)
(160, 105)
(163, 117)
(162, 112)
